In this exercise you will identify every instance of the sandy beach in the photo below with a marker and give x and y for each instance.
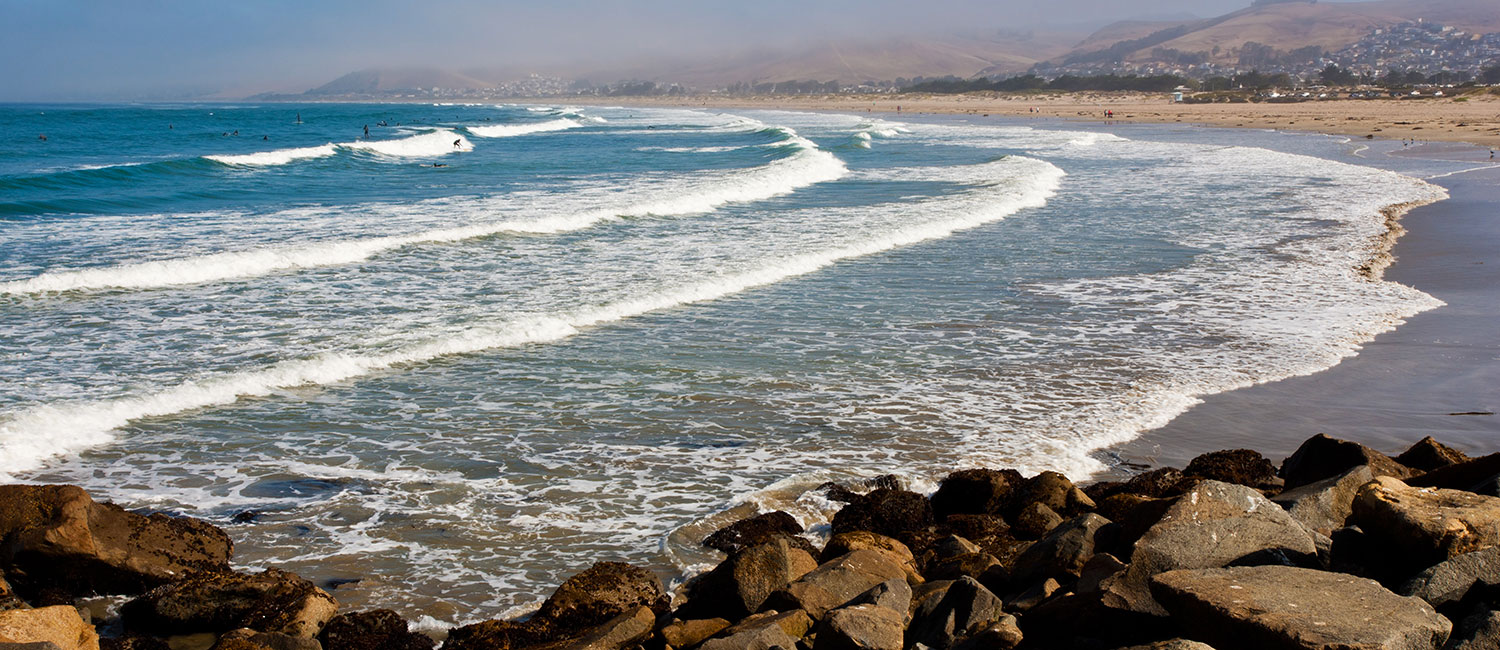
(1474, 118)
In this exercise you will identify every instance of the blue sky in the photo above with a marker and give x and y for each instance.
(103, 49)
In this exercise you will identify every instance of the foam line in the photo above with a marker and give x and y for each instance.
(512, 130)
(276, 157)
(31, 436)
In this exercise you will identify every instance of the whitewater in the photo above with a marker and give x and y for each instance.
(450, 363)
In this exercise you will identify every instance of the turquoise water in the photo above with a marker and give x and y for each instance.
(464, 357)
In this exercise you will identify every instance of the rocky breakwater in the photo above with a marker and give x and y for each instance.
(1341, 546)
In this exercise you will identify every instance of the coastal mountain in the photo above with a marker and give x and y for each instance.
(374, 81)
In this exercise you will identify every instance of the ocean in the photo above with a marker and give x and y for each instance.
(444, 366)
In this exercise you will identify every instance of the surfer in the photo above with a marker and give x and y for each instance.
(455, 142)
(43, 138)
(265, 137)
(299, 117)
(367, 132)
(439, 165)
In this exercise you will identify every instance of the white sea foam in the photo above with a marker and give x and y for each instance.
(29, 437)
(277, 157)
(431, 143)
(809, 165)
(512, 130)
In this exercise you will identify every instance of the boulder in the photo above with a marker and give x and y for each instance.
(1321, 457)
(975, 491)
(763, 631)
(952, 612)
(1035, 520)
(623, 631)
(498, 635)
(1063, 552)
(737, 587)
(861, 627)
(1004, 634)
(1429, 454)
(380, 629)
(1135, 514)
(1276, 607)
(952, 546)
(1212, 525)
(57, 537)
(835, 583)
(1155, 484)
(8, 597)
(1323, 506)
(270, 601)
(59, 625)
(600, 593)
(973, 565)
(686, 634)
(978, 528)
(845, 543)
(248, 639)
(1467, 475)
(1174, 644)
(1449, 581)
(1099, 568)
(892, 594)
(1480, 631)
(1035, 595)
(133, 642)
(759, 529)
(1238, 466)
(1428, 525)
(887, 512)
(1053, 490)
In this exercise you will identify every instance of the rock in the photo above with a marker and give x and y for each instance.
(1098, 569)
(844, 543)
(1050, 489)
(1463, 476)
(380, 629)
(1429, 454)
(1426, 525)
(861, 627)
(1238, 466)
(968, 564)
(498, 635)
(1450, 580)
(270, 601)
(1035, 520)
(763, 631)
(739, 585)
(34, 645)
(57, 537)
(894, 595)
(835, 492)
(623, 631)
(835, 583)
(886, 512)
(1478, 632)
(133, 642)
(953, 546)
(8, 597)
(1063, 551)
(975, 527)
(1135, 514)
(248, 639)
(1155, 484)
(1174, 644)
(975, 491)
(759, 529)
(1212, 525)
(952, 612)
(1272, 607)
(1321, 457)
(1324, 506)
(59, 625)
(1002, 635)
(600, 593)
(685, 634)
(1035, 595)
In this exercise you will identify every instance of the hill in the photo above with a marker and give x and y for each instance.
(380, 81)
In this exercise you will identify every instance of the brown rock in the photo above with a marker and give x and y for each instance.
(1426, 525)
(1174, 644)
(1321, 457)
(1035, 520)
(599, 594)
(1155, 484)
(951, 612)
(975, 527)
(836, 582)
(737, 587)
(1050, 489)
(133, 642)
(1279, 607)
(1064, 551)
(270, 601)
(498, 635)
(1463, 476)
(58, 537)
(1324, 506)
(60, 625)
(1429, 454)
(380, 629)
(248, 639)
(763, 631)
(1238, 466)
(887, 512)
(968, 564)
(1005, 634)
(861, 627)
(686, 634)
(845, 543)
(975, 491)
(618, 633)
(760, 529)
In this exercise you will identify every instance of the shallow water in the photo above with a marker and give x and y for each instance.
(593, 333)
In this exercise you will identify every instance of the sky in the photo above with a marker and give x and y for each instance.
(166, 49)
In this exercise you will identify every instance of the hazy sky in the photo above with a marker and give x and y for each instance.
(101, 49)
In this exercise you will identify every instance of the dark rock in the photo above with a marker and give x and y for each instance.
(1004, 634)
(270, 601)
(892, 594)
(1324, 506)
(599, 594)
(246, 516)
(1463, 476)
(1053, 490)
(34, 645)
(1063, 552)
(1238, 466)
(975, 527)
(845, 543)
(952, 546)
(1449, 581)
(1156, 484)
(1173, 644)
(887, 512)
(763, 631)
(8, 597)
(1033, 596)
(1426, 526)
(1213, 525)
(861, 627)
(835, 583)
(1035, 520)
(953, 612)
(972, 565)
(975, 491)
(1084, 621)
(57, 537)
(1352, 551)
(835, 492)
(759, 529)
(740, 584)
(1098, 569)
(248, 639)
(1480, 631)
(1272, 607)
(1429, 454)
(498, 635)
(1135, 514)
(133, 642)
(686, 634)
(380, 629)
(1321, 457)
(624, 631)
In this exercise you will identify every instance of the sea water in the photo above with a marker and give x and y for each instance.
(443, 366)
